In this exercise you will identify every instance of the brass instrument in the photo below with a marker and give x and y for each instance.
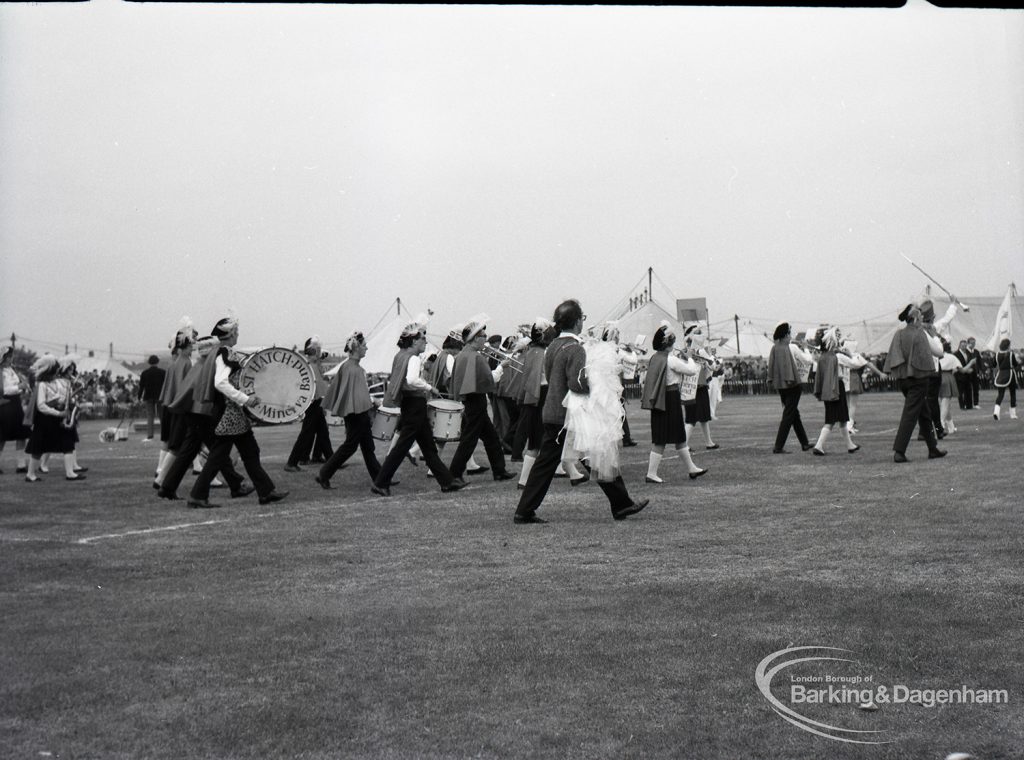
(71, 408)
(514, 364)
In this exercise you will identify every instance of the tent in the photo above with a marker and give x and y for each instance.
(644, 320)
(978, 323)
(382, 342)
(114, 367)
(753, 342)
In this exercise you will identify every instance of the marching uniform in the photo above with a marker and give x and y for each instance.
(532, 391)
(1005, 377)
(785, 378)
(830, 389)
(911, 360)
(349, 397)
(314, 422)
(231, 427)
(472, 380)
(12, 414)
(409, 392)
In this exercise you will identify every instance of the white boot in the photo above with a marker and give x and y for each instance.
(652, 468)
(1013, 412)
(819, 447)
(995, 412)
(164, 467)
(691, 468)
(524, 473)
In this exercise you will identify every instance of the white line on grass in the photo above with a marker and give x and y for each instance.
(181, 526)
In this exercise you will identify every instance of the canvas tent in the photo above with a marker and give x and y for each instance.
(114, 367)
(382, 342)
(645, 320)
(753, 342)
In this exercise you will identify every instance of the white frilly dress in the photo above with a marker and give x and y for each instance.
(593, 422)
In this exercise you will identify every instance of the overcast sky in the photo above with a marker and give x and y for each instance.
(305, 165)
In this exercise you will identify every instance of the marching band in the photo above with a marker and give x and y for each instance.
(557, 391)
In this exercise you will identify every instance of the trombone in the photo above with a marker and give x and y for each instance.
(514, 364)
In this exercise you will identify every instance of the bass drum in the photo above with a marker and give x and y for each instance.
(282, 380)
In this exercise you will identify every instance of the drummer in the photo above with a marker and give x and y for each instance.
(231, 427)
(472, 380)
(440, 376)
(314, 422)
(349, 396)
(409, 391)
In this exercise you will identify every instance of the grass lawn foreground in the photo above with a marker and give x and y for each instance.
(340, 624)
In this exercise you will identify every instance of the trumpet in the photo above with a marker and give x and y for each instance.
(511, 361)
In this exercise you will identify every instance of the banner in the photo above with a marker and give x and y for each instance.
(1004, 321)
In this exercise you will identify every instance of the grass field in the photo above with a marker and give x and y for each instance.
(338, 624)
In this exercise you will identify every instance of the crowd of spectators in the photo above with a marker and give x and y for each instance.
(107, 397)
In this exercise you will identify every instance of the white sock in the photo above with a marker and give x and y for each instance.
(846, 437)
(995, 411)
(822, 437)
(471, 463)
(684, 454)
(571, 469)
(44, 463)
(689, 430)
(560, 470)
(652, 467)
(524, 473)
(706, 427)
(69, 466)
(1013, 412)
(33, 467)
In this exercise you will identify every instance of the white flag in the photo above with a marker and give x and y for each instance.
(1004, 321)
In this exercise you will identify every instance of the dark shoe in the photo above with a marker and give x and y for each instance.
(585, 465)
(81, 469)
(936, 454)
(32, 480)
(561, 475)
(806, 446)
(899, 458)
(579, 481)
(515, 459)
(779, 451)
(242, 491)
(201, 504)
(292, 468)
(940, 434)
(21, 470)
(478, 470)
(854, 450)
(716, 446)
(411, 459)
(649, 479)
(169, 495)
(385, 491)
(455, 485)
(273, 496)
(324, 483)
(626, 444)
(505, 475)
(520, 487)
(817, 452)
(632, 509)
(395, 482)
(302, 462)
(527, 519)
(156, 486)
(76, 477)
(695, 475)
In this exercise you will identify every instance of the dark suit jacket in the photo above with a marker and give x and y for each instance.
(564, 361)
(151, 381)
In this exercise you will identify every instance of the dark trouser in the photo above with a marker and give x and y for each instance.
(314, 425)
(1013, 395)
(512, 415)
(198, 430)
(790, 417)
(915, 412)
(964, 394)
(544, 470)
(521, 435)
(477, 426)
(934, 386)
(151, 415)
(626, 437)
(358, 435)
(220, 455)
(975, 387)
(413, 426)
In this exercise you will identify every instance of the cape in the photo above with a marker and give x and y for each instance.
(348, 393)
(653, 396)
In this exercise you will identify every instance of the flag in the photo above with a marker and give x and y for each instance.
(1004, 321)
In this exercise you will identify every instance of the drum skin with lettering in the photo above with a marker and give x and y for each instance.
(445, 419)
(282, 380)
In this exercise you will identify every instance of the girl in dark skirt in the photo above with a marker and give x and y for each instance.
(49, 401)
(12, 416)
(533, 390)
(698, 411)
(661, 396)
(1005, 377)
(830, 389)
(172, 424)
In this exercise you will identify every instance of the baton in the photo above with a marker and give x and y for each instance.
(959, 303)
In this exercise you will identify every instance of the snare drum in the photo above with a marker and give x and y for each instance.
(445, 419)
(283, 381)
(385, 422)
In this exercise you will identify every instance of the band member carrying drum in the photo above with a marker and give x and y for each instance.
(231, 426)
(349, 396)
(314, 423)
(472, 380)
(408, 391)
